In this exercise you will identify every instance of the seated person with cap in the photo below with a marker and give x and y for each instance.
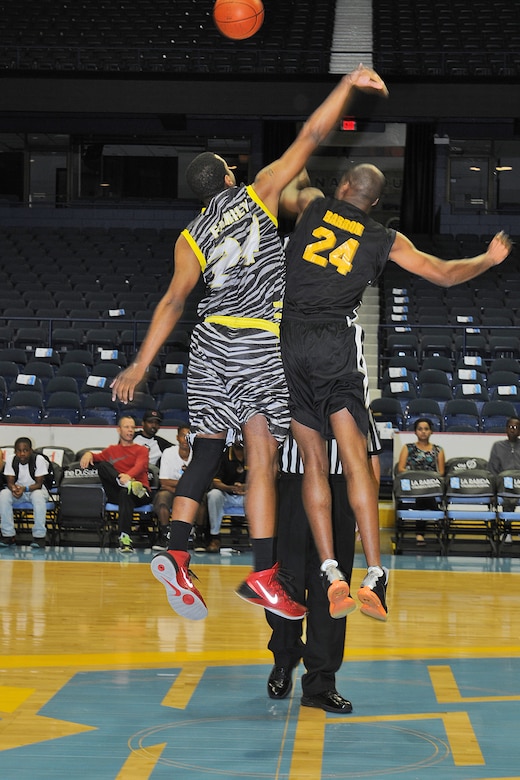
(147, 436)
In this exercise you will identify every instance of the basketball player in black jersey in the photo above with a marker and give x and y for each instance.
(335, 251)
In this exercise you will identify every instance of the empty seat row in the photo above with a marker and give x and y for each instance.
(63, 407)
(412, 365)
(452, 415)
(462, 375)
(125, 338)
(457, 39)
(179, 37)
(168, 361)
(445, 344)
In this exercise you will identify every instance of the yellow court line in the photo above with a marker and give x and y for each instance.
(140, 763)
(463, 742)
(22, 725)
(25, 727)
(184, 686)
(447, 691)
(93, 660)
(458, 651)
(309, 740)
(462, 739)
(233, 657)
(13, 697)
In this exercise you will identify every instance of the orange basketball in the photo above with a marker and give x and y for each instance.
(238, 19)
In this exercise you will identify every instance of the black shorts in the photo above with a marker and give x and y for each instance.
(325, 372)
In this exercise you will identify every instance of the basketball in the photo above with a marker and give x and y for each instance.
(238, 19)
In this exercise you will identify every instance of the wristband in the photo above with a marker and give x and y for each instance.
(27, 488)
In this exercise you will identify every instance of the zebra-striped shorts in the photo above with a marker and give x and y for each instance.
(234, 374)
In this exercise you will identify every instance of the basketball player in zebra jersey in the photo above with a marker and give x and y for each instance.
(323, 649)
(236, 384)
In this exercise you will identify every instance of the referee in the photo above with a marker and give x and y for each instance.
(322, 653)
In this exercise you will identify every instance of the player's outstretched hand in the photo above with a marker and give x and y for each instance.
(124, 384)
(499, 247)
(368, 80)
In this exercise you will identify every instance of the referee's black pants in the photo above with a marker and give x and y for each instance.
(322, 653)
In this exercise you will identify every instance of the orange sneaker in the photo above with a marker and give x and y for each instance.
(341, 602)
(372, 593)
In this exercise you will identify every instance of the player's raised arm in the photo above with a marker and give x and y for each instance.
(297, 195)
(271, 180)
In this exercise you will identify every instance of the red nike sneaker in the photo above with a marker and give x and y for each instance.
(171, 568)
(265, 590)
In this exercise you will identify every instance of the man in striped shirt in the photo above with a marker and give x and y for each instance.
(322, 652)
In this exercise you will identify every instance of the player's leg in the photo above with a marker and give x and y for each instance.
(262, 470)
(263, 587)
(317, 500)
(362, 494)
(316, 493)
(172, 567)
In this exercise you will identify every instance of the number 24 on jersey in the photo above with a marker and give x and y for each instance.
(324, 250)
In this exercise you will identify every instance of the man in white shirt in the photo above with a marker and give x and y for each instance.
(173, 462)
(24, 474)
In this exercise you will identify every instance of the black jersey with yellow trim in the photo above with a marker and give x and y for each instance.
(335, 252)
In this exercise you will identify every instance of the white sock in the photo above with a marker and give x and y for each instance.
(328, 562)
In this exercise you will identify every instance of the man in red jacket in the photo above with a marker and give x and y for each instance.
(123, 471)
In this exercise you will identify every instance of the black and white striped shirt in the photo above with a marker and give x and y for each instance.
(291, 462)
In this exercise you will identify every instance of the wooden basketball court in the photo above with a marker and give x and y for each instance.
(99, 680)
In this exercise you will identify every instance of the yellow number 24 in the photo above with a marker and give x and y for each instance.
(325, 250)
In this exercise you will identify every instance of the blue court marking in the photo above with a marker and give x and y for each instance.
(230, 729)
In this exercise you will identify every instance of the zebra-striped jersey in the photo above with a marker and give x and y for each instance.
(240, 253)
(291, 462)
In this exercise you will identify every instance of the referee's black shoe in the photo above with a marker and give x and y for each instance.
(279, 684)
(330, 701)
